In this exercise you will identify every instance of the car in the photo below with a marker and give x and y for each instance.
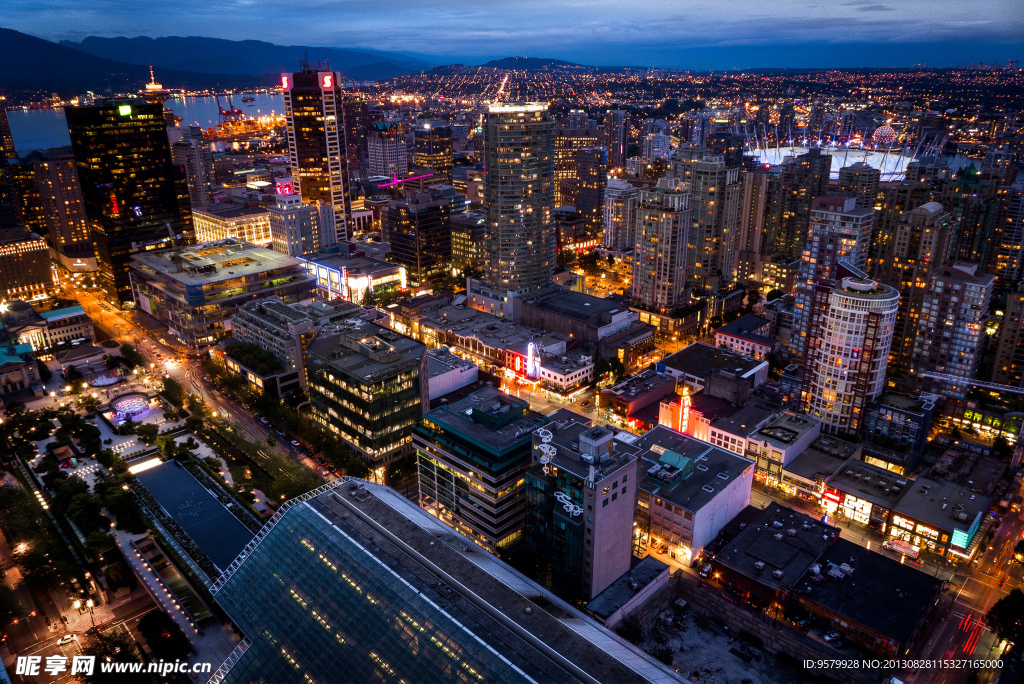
(295, 443)
(66, 639)
(705, 571)
(800, 622)
(831, 636)
(264, 420)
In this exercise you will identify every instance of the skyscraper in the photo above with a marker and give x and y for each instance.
(759, 220)
(615, 124)
(385, 150)
(1006, 256)
(804, 178)
(970, 200)
(852, 323)
(8, 213)
(567, 142)
(315, 112)
(621, 202)
(434, 150)
(659, 255)
(357, 118)
(838, 231)
(519, 197)
(297, 227)
(134, 195)
(919, 246)
(418, 228)
(951, 328)
(585, 192)
(60, 196)
(1008, 368)
(193, 155)
(656, 146)
(861, 181)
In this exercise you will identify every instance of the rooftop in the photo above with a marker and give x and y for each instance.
(230, 211)
(622, 590)
(684, 470)
(441, 361)
(365, 350)
(814, 464)
(570, 434)
(943, 504)
(868, 482)
(212, 262)
(355, 265)
(640, 384)
(489, 417)
(745, 327)
(744, 421)
(876, 591)
(370, 580)
(905, 402)
(582, 307)
(778, 547)
(66, 312)
(698, 359)
(787, 429)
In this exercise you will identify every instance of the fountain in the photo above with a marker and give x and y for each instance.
(129, 406)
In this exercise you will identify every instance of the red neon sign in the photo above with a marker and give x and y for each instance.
(684, 411)
(327, 81)
(831, 496)
(285, 80)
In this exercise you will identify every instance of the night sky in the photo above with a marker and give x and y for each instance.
(705, 34)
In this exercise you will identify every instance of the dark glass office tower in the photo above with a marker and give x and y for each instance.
(134, 196)
(418, 228)
(316, 140)
(434, 150)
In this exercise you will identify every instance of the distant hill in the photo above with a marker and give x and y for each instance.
(532, 64)
(244, 57)
(30, 63)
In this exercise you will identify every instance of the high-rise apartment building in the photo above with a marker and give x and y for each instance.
(60, 196)
(861, 181)
(660, 249)
(385, 150)
(951, 327)
(585, 192)
(852, 322)
(969, 198)
(317, 146)
(8, 212)
(894, 202)
(621, 205)
(418, 228)
(357, 118)
(838, 231)
(803, 177)
(656, 146)
(759, 221)
(519, 197)
(1008, 368)
(132, 201)
(26, 193)
(193, 155)
(298, 228)
(433, 150)
(567, 142)
(472, 456)
(616, 122)
(469, 232)
(580, 500)
(1006, 256)
(716, 197)
(919, 246)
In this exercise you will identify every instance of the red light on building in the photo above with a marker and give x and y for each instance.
(286, 81)
(832, 496)
(327, 81)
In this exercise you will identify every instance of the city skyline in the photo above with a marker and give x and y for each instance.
(737, 35)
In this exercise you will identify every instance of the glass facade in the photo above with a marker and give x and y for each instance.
(321, 608)
(551, 533)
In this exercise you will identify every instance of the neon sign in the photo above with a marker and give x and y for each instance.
(531, 361)
(572, 509)
(285, 81)
(684, 410)
(327, 81)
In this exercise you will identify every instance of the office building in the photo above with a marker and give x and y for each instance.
(585, 192)
(621, 206)
(60, 200)
(317, 145)
(285, 330)
(716, 198)
(385, 150)
(366, 385)
(193, 155)
(418, 228)
(222, 221)
(24, 265)
(580, 498)
(357, 118)
(852, 323)
(26, 193)
(838, 231)
(469, 231)
(688, 492)
(660, 250)
(346, 272)
(616, 123)
(1008, 368)
(951, 328)
(345, 601)
(1006, 258)
(195, 290)
(433, 150)
(567, 142)
(860, 181)
(132, 202)
(519, 199)
(656, 146)
(919, 246)
(8, 211)
(298, 227)
(473, 455)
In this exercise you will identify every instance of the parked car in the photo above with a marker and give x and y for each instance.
(264, 420)
(705, 571)
(295, 443)
(831, 636)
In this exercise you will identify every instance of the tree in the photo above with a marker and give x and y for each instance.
(147, 433)
(1002, 448)
(100, 546)
(131, 357)
(44, 371)
(1006, 617)
(270, 440)
(71, 374)
(631, 629)
(88, 403)
(113, 646)
(173, 391)
(774, 294)
(111, 362)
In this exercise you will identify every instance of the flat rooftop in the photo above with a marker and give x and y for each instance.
(371, 581)
(744, 421)
(942, 504)
(905, 402)
(365, 350)
(880, 593)
(512, 420)
(58, 314)
(787, 429)
(230, 211)
(745, 327)
(706, 469)
(868, 482)
(441, 361)
(814, 464)
(212, 262)
(582, 307)
(779, 540)
(640, 384)
(353, 264)
(566, 427)
(698, 359)
(622, 590)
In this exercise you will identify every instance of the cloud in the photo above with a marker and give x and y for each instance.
(876, 8)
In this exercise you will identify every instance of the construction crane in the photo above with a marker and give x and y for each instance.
(230, 114)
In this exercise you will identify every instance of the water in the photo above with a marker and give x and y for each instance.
(39, 129)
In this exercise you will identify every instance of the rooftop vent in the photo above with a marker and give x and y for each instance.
(777, 574)
(759, 565)
(777, 536)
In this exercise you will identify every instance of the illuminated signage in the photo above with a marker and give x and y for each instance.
(684, 410)
(284, 187)
(831, 496)
(531, 360)
(960, 539)
(124, 110)
(900, 521)
(286, 81)
(327, 81)
(572, 509)
(927, 531)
